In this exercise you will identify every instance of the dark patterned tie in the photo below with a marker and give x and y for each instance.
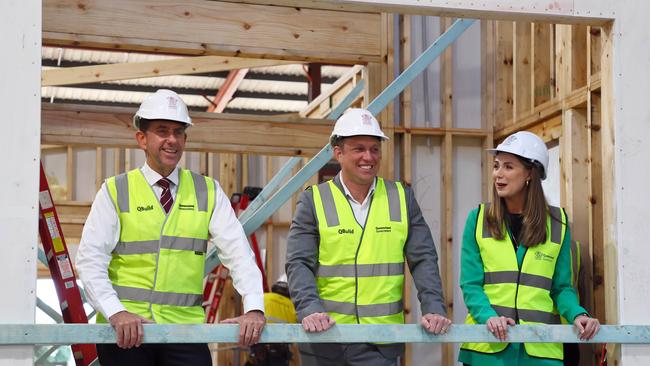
(166, 197)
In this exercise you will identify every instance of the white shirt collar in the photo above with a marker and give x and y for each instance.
(347, 191)
(153, 176)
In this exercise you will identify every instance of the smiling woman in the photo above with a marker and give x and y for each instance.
(516, 260)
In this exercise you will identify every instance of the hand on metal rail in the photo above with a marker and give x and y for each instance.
(128, 328)
(498, 325)
(317, 322)
(251, 326)
(587, 327)
(435, 323)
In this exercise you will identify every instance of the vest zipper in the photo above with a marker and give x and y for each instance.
(510, 236)
(356, 257)
(155, 274)
(517, 288)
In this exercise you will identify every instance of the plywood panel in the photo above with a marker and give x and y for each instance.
(213, 28)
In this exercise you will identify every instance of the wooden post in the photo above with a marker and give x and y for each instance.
(447, 227)
(504, 72)
(522, 81)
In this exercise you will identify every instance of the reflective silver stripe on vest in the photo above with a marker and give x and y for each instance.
(492, 278)
(201, 189)
(393, 201)
(527, 315)
(536, 281)
(486, 230)
(538, 316)
(166, 242)
(364, 310)
(556, 224)
(505, 311)
(531, 280)
(362, 270)
(157, 297)
(122, 187)
(331, 216)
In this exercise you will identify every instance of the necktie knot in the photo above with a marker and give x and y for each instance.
(164, 183)
(166, 197)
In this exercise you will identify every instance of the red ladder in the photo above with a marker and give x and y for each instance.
(63, 275)
(216, 280)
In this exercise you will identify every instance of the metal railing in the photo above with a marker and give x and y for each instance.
(59, 334)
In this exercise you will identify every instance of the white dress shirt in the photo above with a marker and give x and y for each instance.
(360, 209)
(102, 232)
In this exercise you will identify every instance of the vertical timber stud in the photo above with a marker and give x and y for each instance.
(609, 202)
(488, 106)
(446, 247)
(542, 48)
(384, 78)
(504, 98)
(406, 161)
(522, 80)
(270, 252)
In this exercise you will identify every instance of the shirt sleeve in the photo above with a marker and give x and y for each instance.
(422, 258)
(562, 291)
(302, 258)
(472, 275)
(234, 251)
(98, 239)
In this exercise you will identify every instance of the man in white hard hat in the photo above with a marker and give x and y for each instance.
(142, 251)
(347, 247)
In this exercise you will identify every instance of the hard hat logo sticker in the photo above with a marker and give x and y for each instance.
(173, 102)
(366, 119)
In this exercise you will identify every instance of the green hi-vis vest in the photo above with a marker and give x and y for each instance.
(523, 295)
(361, 269)
(157, 266)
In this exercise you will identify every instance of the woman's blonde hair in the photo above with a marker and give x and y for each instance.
(533, 230)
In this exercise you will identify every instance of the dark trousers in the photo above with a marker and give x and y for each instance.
(355, 354)
(155, 355)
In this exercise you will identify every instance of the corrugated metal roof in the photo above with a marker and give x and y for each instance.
(259, 94)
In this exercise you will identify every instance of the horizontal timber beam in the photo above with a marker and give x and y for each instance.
(202, 27)
(137, 70)
(429, 131)
(41, 334)
(594, 12)
(547, 110)
(84, 125)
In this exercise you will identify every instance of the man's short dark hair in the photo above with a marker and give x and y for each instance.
(143, 124)
(337, 140)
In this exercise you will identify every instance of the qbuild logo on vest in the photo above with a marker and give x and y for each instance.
(346, 231)
(145, 208)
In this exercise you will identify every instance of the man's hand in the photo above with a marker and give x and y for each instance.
(435, 323)
(128, 328)
(498, 325)
(251, 325)
(587, 327)
(317, 322)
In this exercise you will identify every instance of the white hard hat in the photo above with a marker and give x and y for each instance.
(527, 145)
(163, 104)
(357, 122)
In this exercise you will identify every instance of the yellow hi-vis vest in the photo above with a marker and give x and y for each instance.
(523, 295)
(361, 270)
(157, 266)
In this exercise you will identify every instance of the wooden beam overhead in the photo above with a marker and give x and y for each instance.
(201, 27)
(559, 11)
(137, 70)
(212, 132)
